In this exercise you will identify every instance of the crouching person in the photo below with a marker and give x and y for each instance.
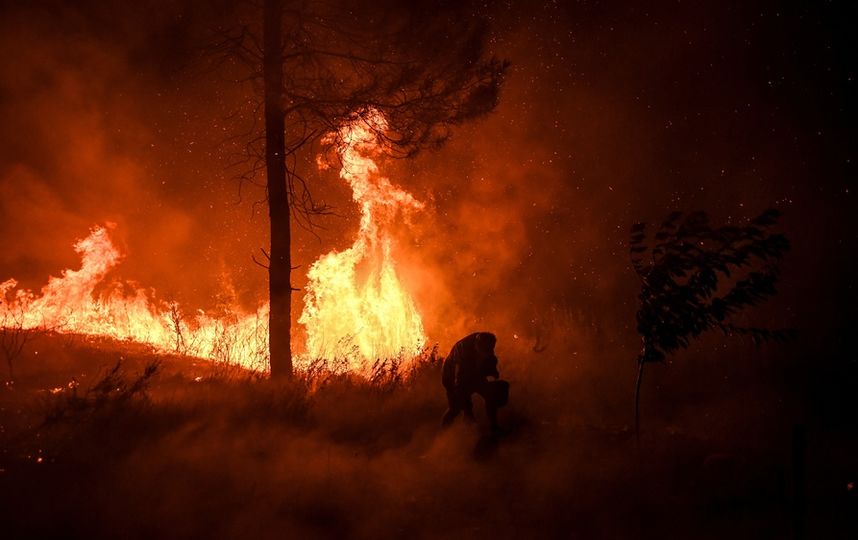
(465, 372)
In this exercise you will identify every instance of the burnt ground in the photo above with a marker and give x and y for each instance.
(201, 451)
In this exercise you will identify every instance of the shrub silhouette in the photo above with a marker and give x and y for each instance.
(689, 281)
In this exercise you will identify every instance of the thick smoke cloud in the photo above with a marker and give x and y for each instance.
(101, 127)
(610, 115)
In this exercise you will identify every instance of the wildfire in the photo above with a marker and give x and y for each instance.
(356, 307)
(69, 304)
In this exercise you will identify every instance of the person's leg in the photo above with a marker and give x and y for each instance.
(468, 407)
(492, 413)
(453, 409)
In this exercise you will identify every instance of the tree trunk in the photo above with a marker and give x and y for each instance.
(279, 282)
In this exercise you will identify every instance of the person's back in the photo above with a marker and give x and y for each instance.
(471, 360)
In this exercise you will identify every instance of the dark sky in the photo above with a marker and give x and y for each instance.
(612, 114)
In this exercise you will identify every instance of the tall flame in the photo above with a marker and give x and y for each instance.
(69, 304)
(356, 307)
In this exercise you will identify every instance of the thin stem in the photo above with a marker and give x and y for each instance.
(638, 400)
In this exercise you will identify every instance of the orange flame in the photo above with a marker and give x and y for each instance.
(356, 307)
(68, 304)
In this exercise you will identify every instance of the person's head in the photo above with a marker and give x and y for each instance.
(485, 344)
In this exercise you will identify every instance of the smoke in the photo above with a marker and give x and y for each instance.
(603, 122)
(220, 457)
(96, 131)
(609, 116)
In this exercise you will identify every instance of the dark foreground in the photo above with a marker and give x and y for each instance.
(227, 456)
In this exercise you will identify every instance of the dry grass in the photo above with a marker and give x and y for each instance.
(186, 450)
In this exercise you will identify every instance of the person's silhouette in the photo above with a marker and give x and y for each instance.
(465, 372)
